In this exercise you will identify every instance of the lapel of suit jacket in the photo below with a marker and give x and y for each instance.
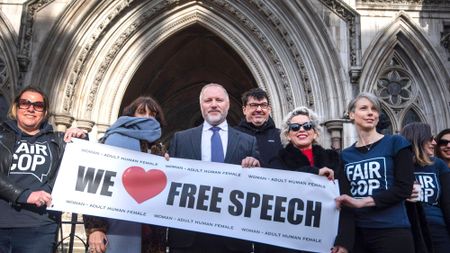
(232, 144)
(196, 142)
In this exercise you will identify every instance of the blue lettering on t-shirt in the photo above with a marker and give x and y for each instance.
(367, 176)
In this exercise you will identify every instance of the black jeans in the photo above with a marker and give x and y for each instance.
(441, 238)
(28, 240)
(388, 240)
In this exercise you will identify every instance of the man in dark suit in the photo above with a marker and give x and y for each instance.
(200, 143)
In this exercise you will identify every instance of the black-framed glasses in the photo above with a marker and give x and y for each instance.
(255, 106)
(443, 142)
(25, 104)
(296, 126)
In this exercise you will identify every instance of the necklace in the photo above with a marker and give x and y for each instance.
(368, 147)
(372, 140)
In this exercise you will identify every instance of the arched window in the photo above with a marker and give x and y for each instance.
(410, 116)
(398, 92)
(384, 124)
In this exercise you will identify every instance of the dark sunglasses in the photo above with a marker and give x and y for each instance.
(25, 104)
(296, 126)
(443, 142)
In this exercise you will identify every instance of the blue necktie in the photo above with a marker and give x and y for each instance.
(216, 146)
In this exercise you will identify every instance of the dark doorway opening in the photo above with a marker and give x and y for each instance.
(175, 72)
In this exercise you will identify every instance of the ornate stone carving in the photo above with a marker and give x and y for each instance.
(62, 121)
(123, 38)
(445, 41)
(404, 1)
(86, 49)
(445, 38)
(3, 72)
(282, 31)
(352, 18)
(395, 88)
(85, 124)
(26, 32)
(262, 8)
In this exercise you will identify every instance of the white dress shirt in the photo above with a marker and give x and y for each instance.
(206, 139)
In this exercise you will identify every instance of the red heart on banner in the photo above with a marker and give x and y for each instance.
(143, 185)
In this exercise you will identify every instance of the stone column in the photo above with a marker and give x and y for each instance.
(101, 129)
(85, 124)
(62, 121)
(335, 127)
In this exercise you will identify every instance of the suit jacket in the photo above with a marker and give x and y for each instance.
(187, 144)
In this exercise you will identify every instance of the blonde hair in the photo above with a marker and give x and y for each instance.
(367, 95)
(301, 110)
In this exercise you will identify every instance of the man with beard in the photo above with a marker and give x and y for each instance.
(257, 122)
(212, 141)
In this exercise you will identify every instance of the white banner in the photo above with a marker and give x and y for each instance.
(289, 209)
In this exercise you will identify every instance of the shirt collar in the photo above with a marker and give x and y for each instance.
(223, 126)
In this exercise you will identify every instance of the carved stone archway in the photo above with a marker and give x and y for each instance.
(176, 70)
(289, 55)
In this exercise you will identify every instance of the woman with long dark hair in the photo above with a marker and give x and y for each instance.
(434, 177)
(139, 128)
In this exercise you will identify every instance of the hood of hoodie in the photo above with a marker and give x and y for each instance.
(43, 129)
(147, 129)
(269, 124)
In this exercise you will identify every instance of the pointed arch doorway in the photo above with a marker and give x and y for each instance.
(176, 70)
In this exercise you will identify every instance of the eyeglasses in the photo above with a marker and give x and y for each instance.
(25, 104)
(296, 126)
(443, 142)
(255, 106)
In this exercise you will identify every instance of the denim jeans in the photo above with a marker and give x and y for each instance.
(28, 240)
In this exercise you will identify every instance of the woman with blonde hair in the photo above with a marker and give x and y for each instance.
(378, 170)
(301, 152)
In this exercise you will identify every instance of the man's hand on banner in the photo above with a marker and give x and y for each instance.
(250, 162)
